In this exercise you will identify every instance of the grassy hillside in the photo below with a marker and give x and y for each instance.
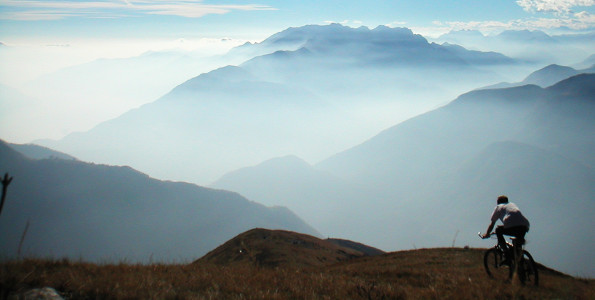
(280, 248)
(447, 273)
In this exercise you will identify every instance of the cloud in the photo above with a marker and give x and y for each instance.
(582, 20)
(577, 21)
(556, 6)
(60, 9)
(34, 15)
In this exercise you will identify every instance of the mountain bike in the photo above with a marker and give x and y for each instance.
(518, 262)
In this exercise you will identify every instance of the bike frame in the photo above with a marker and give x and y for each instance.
(519, 264)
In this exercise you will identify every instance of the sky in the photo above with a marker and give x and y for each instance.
(42, 36)
(121, 28)
(60, 20)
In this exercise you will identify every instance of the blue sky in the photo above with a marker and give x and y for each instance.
(260, 18)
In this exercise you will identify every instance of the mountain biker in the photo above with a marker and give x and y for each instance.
(514, 223)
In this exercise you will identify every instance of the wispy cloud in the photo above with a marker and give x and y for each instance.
(52, 10)
(555, 14)
(556, 6)
(577, 21)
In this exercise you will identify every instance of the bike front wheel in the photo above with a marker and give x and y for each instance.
(493, 264)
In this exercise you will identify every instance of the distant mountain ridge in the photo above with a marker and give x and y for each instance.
(379, 47)
(38, 152)
(107, 213)
(532, 46)
(546, 76)
(338, 87)
(290, 181)
(502, 123)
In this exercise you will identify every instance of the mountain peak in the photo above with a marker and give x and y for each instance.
(550, 75)
(229, 73)
(304, 33)
(286, 166)
(526, 35)
(286, 160)
(381, 27)
(337, 32)
(226, 74)
(402, 30)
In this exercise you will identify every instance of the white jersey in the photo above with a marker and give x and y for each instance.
(510, 215)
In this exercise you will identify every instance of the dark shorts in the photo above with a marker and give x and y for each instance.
(516, 231)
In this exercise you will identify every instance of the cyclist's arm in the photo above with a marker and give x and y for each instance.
(487, 234)
(495, 216)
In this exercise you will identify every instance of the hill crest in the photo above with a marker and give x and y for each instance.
(274, 248)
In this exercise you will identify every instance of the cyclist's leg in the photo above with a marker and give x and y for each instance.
(500, 232)
(518, 232)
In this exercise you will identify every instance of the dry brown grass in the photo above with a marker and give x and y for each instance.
(420, 274)
(272, 248)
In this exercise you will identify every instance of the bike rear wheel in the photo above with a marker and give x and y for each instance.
(492, 262)
(528, 270)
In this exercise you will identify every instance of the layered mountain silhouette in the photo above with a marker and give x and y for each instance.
(110, 87)
(433, 180)
(546, 76)
(218, 121)
(335, 87)
(588, 62)
(106, 213)
(280, 248)
(319, 197)
(532, 46)
(526, 112)
(365, 42)
(33, 151)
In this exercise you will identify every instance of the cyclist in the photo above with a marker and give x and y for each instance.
(514, 223)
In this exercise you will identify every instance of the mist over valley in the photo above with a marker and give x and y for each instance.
(338, 88)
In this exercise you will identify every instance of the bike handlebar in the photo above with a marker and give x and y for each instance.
(485, 237)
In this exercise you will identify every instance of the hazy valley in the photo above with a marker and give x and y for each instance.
(339, 87)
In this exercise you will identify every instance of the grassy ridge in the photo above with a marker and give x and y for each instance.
(420, 274)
